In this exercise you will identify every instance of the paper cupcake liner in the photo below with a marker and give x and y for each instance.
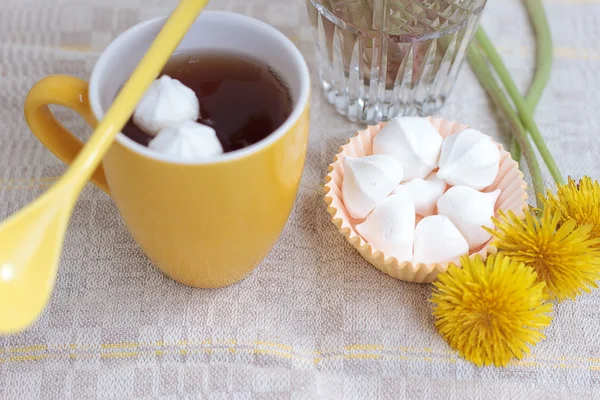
(509, 180)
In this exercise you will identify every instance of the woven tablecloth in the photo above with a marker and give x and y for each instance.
(314, 320)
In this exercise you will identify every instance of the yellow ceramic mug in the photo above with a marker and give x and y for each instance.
(206, 224)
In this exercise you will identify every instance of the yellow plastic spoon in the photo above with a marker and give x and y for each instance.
(31, 240)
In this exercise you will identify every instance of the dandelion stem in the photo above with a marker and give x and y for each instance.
(519, 101)
(515, 149)
(489, 83)
(537, 15)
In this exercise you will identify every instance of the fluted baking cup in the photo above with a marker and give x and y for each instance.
(509, 181)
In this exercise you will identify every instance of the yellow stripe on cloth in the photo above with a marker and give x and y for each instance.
(261, 348)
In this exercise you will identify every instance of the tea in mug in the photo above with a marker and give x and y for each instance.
(242, 99)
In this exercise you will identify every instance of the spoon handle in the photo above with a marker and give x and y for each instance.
(144, 74)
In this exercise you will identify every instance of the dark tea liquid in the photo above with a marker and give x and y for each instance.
(242, 99)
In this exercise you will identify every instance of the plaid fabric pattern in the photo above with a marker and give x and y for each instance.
(314, 320)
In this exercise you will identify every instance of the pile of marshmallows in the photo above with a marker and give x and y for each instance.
(168, 112)
(415, 177)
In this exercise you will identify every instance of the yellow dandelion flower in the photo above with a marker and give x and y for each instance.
(579, 201)
(490, 312)
(563, 255)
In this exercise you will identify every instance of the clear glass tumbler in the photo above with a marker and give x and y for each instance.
(379, 59)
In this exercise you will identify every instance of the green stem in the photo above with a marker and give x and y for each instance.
(515, 149)
(522, 107)
(537, 15)
(489, 83)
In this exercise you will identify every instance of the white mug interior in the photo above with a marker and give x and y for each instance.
(212, 31)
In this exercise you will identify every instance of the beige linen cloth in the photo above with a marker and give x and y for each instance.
(314, 320)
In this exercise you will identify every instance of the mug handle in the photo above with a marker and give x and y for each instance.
(65, 91)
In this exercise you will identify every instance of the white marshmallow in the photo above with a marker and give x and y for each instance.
(390, 228)
(367, 181)
(469, 210)
(424, 193)
(166, 103)
(438, 241)
(188, 141)
(469, 158)
(413, 142)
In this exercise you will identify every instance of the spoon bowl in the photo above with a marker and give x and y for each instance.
(29, 259)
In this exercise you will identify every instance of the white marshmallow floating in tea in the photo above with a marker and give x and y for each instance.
(166, 103)
(413, 142)
(187, 141)
(438, 241)
(469, 210)
(423, 193)
(469, 158)
(390, 228)
(367, 181)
